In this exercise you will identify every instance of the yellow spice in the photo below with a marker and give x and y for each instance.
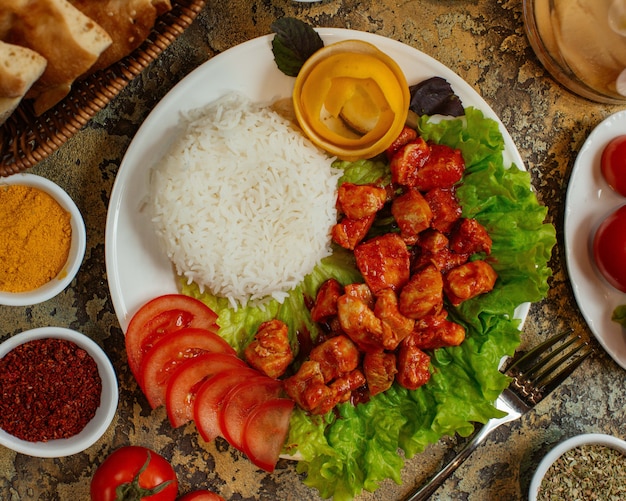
(35, 237)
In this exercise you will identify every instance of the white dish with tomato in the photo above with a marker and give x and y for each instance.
(595, 249)
(492, 191)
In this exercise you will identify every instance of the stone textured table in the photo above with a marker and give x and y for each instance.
(484, 43)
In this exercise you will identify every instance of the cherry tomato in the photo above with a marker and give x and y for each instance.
(201, 496)
(613, 164)
(134, 473)
(170, 352)
(609, 248)
(266, 431)
(161, 316)
(182, 387)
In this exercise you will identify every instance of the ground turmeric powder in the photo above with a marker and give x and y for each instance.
(35, 238)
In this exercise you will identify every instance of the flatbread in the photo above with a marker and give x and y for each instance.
(19, 69)
(64, 40)
(128, 23)
(70, 41)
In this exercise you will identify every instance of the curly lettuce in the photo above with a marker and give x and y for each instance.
(356, 448)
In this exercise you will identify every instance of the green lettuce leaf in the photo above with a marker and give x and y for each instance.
(357, 447)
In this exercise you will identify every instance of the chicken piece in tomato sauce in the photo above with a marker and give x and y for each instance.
(308, 389)
(336, 356)
(470, 237)
(407, 160)
(436, 331)
(270, 351)
(433, 247)
(384, 262)
(395, 325)
(443, 169)
(360, 291)
(423, 295)
(348, 233)
(413, 366)
(445, 207)
(412, 214)
(357, 201)
(407, 134)
(344, 385)
(325, 305)
(379, 368)
(468, 281)
(360, 323)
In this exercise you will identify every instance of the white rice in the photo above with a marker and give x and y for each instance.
(242, 203)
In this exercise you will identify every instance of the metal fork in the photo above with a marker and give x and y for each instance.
(534, 375)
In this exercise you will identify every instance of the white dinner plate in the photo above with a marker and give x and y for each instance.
(137, 269)
(589, 200)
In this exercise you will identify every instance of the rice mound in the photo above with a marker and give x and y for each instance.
(243, 204)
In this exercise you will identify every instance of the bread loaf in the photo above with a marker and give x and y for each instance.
(19, 69)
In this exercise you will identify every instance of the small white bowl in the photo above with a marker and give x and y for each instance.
(563, 447)
(104, 414)
(77, 246)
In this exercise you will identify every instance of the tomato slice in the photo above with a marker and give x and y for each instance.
(159, 317)
(613, 164)
(172, 350)
(210, 399)
(609, 248)
(239, 403)
(266, 431)
(184, 383)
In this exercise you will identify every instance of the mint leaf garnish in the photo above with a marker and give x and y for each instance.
(295, 41)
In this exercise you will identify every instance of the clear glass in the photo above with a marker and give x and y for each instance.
(582, 43)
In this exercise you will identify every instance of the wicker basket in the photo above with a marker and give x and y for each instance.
(26, 139)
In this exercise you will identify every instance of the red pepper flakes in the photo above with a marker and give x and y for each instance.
(49, 389)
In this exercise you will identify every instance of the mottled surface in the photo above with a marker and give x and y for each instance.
(484, 42)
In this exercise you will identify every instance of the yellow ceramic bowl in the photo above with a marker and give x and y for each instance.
(351, 99)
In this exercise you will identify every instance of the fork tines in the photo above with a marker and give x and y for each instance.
(540, 370)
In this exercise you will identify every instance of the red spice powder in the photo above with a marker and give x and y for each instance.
(49, 389)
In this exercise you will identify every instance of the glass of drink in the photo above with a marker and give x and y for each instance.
(582, 43)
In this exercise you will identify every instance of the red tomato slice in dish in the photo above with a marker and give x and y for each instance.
(184, 383)
(266, 431)
(210, 398)
(170, 352)
(159, 317)
(239, 403)
(613, 164)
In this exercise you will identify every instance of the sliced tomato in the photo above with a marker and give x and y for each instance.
(184, 383)
(159, 317)
(266, 431)
(172, 350)
(239, 403)
(210, 399)
(613, 164)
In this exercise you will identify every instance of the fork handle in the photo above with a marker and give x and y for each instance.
(429, 488)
